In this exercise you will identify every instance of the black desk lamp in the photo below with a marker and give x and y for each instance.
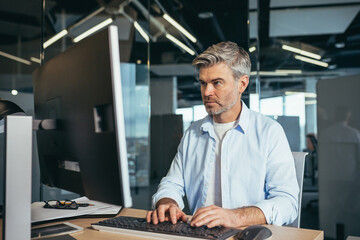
(7, 108)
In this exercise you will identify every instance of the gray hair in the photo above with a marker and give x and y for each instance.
(235, 57)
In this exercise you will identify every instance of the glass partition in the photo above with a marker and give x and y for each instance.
(298, 52)
(34, 32)
(72, 22)
(20, 39)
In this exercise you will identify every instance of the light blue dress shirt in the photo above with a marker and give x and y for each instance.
(257, 168)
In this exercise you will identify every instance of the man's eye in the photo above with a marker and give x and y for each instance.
(217, 83)
(203, 83)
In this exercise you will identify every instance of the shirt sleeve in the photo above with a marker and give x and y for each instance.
(281, 200)
(172, 185)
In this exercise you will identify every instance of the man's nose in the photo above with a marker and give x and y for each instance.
(208, 90)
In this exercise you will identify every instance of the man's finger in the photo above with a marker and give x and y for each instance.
(155, 217)
(161, 213)
(184, 218)
(202, 210)
(202, 218)
(148, 216)
(180, 214)
(205, 220)
(173, 212)
(215, 222)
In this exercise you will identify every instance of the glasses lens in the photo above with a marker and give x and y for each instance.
(65, 204)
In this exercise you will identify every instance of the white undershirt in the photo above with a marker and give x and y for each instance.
(213, 196)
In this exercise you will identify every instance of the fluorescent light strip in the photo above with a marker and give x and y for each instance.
(302, 52)
(55, 38)
(252, 49)
(93, 29)
(306, 94)
(141, 31)
(179, 27)
(180, 44)
(37, 60)
(288, 71)
(12, 57)
(266, 73)
(309, 60)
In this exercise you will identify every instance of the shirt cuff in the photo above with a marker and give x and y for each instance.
(267, 208)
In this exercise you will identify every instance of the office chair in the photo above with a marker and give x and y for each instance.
(299, 158)
(7, 108)
(313, 156)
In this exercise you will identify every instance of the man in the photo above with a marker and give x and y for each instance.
(235, 165)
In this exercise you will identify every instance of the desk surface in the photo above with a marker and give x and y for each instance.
(279, 233)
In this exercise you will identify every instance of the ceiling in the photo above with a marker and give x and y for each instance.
(330, 28)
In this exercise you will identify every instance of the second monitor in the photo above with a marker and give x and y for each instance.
(81, 89)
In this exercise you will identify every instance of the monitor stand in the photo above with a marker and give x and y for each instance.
(18, 167)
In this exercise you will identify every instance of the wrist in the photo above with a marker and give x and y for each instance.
(241, 218)
(250, 216)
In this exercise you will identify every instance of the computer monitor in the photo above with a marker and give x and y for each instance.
(81, 89)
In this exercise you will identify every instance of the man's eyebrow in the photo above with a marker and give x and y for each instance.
(217, 79)
(212, 80)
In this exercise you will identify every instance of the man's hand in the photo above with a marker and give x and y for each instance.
(213, 216)
(166, 210)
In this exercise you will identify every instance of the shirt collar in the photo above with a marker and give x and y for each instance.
(241, 124)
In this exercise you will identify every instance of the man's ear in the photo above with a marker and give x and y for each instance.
(243, 83)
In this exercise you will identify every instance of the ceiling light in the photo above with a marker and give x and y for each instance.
(288, 71)
(93, 29)
(37, 60)
(141, 31)
(55, 38)
(12, 57)
(205, 15)
(268, 73)
(327, 59)
(309, 60)
(306, 94)
(14, 92)
(302, 52)
(340, 45)
(252, 49)
(179, 27)
(180, 44)
(333, 66)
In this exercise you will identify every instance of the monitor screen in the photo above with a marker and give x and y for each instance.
(81, 90)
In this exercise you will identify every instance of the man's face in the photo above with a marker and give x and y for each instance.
(219, 90)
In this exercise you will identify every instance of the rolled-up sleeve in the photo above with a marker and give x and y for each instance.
(172, 185)
(281, 200)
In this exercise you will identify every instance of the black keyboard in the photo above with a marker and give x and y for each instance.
(180, 230)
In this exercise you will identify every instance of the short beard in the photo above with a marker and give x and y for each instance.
(221, 110)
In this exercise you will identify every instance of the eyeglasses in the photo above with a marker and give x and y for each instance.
(65, 204)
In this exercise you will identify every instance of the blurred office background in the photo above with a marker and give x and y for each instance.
(305, 74)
